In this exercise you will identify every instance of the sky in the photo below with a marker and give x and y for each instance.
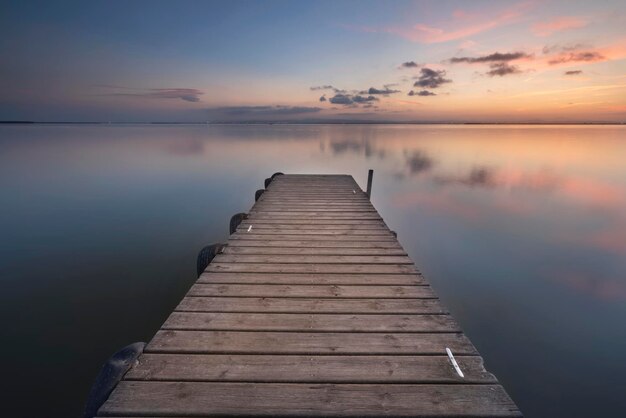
(236, 61)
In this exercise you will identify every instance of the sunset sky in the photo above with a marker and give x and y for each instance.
(481, 61)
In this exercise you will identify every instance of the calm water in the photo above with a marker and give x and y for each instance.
(520, 229)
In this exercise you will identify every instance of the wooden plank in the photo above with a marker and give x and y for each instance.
(320, 214)
(262, 342)
(319, 227)
(315, 190)
(254, 217)
(221, 321)
(272, 201)
(313, 268)
(252, 235)
(311, 305)
(315, 259)
(314, 251)
(312, 200)
(318, 209)
(269, 198)
(308, 369)
(293, 399)
(319, 222)
(304, 278)
(330, 243)
(327, 232)
(310, 291)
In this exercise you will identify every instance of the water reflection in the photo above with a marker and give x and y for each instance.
(418, 162)
(364, 147)
(520, 229)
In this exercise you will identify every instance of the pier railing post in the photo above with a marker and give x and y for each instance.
(370, 175)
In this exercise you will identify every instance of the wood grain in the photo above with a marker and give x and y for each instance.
(291, 399)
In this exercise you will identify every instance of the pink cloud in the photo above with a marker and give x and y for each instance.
(461, 25)
(558, 24)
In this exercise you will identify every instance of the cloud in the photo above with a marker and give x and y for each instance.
(409, 64)
(430, 78)
(461, 25)
(188, 95)
(362, 99)
(325, 87)
(580, 56)
(558, 24)
(323, 98)
(348, 99)
(495, 57)
(342, 99)
(573, 72)
(421, 93)
(501, 69)
(558, 48)
(386, 90)
(498, 62)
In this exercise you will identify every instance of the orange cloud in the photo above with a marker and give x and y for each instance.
(558, 24)
(462, 25)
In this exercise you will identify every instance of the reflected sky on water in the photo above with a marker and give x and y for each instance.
(520, 229)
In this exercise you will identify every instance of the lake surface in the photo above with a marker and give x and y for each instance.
(521, 230)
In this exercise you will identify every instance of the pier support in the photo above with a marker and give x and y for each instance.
(370, 176)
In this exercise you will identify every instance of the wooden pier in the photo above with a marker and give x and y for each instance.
(312, 309)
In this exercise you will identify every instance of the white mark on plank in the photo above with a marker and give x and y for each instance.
(354, 191)
(454, 363)
(250, 228)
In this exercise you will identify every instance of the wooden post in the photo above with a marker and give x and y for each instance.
(370, 174)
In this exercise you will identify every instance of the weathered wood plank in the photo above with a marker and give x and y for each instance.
(315, 214)
(329, 243)
(305, 232)
(264, 218)
(313, 268)
(362, 201)
(311, 369)
(293, 399)
(252, 235)
(311, 305)
(313, 200)
(317, 222)
(310, 291)
(222, 321)
(314, 251)
(312, 227)
(316, 259)
(317, 279)
(262, 342)
(318, 209)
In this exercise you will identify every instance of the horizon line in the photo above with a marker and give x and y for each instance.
(307, 122)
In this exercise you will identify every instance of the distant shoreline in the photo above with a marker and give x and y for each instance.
(334, 122)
